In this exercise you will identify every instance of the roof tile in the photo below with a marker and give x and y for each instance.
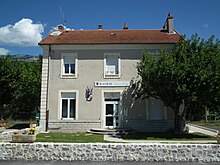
(111, 37)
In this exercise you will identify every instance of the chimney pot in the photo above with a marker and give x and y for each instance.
(100, 27)
(125, 26)
(169, 25)
(169, 14)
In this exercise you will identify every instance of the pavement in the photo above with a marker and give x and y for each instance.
(10, 130)
(205, 130)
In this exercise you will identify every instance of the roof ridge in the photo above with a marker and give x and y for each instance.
(115, 30)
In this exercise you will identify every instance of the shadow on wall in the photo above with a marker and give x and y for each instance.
(142, 114)
(133, 107)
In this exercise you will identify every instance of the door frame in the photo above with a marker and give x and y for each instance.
(103, 122)
(114, 103)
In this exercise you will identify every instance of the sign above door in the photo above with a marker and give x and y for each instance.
(112, 83)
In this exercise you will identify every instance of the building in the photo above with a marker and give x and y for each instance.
(87, 79)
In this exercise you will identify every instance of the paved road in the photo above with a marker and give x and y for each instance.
(19, 162)
(214, 127)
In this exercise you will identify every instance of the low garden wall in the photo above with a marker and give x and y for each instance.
(7, 136)
(110, 152)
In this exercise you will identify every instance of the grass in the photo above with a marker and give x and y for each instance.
(210, 123)
(93, 138)
(69, 137)
(167, 136)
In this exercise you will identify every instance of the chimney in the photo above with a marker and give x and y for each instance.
(125, 26)
(169, 25)
(99, 27)
(60, 27)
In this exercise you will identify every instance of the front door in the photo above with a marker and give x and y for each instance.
(111, 114)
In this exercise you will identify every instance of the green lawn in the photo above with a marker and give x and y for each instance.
(210, 123)
(166, 136)
(70, 137)
(93, 138)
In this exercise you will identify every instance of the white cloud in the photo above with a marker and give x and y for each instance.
(205, 25)
(22, 33)
(4, 51)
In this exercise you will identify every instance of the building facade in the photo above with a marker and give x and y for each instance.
(87, 78)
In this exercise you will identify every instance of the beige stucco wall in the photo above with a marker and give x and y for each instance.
(91, 69)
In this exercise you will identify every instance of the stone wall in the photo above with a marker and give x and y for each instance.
(5, 137)
(85, 125)
(149, 125)
(73, 126)
(110, 152)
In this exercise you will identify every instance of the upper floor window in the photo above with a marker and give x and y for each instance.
(155, 53)
(112, 65)
(69, 65)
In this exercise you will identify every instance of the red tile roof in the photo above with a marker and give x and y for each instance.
(111, 37)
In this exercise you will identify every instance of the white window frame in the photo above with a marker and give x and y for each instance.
(75, 59)
(119, 66)
(114, 103)
(76, 92)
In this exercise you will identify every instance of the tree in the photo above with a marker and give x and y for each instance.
(19, 88)
(6, 82)
(187, 76)
(26, 95)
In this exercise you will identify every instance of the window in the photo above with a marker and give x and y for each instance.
(112, 65)
(69, 65)
(156, 109)
(155, 52)
(68, 105)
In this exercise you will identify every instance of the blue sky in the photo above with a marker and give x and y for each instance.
(41, 16)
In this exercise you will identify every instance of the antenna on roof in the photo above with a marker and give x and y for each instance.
(62, 16)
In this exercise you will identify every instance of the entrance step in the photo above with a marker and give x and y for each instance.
(109, 131)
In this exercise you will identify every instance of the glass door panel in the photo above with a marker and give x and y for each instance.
(109, 121)
(112, 114)
(109, 109)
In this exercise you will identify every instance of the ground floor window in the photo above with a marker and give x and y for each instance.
(68, 105)
(156, 109)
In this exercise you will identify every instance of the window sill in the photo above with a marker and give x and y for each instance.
(112, 76)
(67, 119)
(68, 77)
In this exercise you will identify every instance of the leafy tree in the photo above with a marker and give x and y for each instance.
(26, 96)
(184, 78)
(6, 82)
(20, 88)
